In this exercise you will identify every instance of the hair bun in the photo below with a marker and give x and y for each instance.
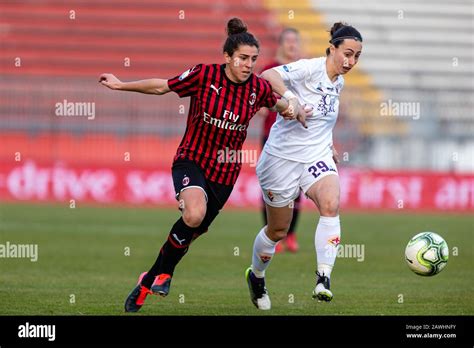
(236, 26)
(336, 27)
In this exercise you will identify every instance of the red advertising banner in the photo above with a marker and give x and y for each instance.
(360, 189)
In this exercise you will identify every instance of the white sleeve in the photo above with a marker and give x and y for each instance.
(295, 72)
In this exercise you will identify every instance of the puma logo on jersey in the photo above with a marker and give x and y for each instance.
(180, 241)
(216, 89)
(320, 87)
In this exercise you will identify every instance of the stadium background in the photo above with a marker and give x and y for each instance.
(54, 51)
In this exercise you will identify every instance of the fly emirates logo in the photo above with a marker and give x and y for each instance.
(228, 121)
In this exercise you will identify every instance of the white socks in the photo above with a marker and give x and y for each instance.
(263, 250)
(326, 240)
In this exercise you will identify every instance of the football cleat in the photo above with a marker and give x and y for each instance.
(291, 243)
(280, 247)
(161, 285)
(136, 298)
(258, 291)
(321, 291)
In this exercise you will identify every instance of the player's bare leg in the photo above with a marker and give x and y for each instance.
(192, 203)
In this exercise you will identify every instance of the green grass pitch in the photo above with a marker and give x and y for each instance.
(83, 266)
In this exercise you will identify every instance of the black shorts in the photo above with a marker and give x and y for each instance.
(187, 173)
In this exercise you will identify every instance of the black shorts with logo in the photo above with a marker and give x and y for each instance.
(187, 173)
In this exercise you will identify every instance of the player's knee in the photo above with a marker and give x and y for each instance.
(277, 233)
(193, 217)
(330, 207)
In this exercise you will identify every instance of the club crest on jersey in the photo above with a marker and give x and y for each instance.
(186, 181)
(327, 104)
(270, 195)
(265, 258)
(334, 240)
(253, 98)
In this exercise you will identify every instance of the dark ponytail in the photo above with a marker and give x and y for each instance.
(341, 31)
(237, 35)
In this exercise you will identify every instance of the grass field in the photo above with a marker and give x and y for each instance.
(82, 257)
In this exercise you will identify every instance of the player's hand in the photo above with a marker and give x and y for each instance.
(305, 111)
(292, 111)
(109, 80)
(335, 155)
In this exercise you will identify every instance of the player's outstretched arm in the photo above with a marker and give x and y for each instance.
(280, 106)
(294, 110)
(272, 76)
(149, 86)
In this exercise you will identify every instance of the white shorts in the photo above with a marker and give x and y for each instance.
(281, 179)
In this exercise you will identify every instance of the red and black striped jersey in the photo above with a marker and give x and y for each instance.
(219, 114)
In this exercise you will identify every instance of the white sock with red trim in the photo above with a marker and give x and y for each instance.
(326, 240)
(263, 250)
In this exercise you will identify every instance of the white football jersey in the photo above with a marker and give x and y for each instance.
(308, 80)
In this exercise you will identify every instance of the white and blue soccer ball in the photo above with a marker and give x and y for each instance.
(427, 254)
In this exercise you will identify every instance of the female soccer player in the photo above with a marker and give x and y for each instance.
(289, 50)
(297, 158)
(223, 100)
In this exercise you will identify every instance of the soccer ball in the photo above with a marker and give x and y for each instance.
(427, 253)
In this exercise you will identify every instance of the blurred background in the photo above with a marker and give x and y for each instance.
(404, 133)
